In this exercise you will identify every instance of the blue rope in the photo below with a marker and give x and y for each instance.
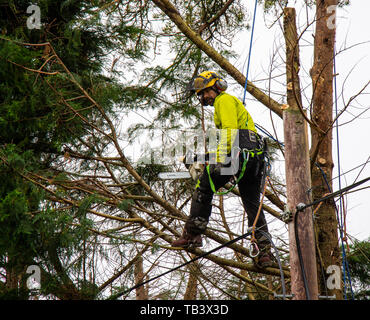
(268, 134)
(250, 50)
(246, 78)
(340, 218)
(344, 260)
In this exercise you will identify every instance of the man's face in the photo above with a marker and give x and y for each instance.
(207, 96)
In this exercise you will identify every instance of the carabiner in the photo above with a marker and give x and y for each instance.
(253, 247)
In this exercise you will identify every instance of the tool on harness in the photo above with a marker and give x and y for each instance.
(253, 250)
(247, 153)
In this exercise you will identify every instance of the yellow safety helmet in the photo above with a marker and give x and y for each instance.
(208, 79)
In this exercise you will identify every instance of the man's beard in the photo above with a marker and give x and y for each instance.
(209, 101)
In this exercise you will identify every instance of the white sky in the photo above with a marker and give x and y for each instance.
(353, 25)
(353, 66)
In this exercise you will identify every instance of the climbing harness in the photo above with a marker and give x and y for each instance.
(246, 155)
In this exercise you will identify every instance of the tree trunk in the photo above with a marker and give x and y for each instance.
(11, 279)
(191, 288)
(321, 150)
(141, 293)
(297, 168)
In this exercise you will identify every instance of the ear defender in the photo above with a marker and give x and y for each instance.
(208, 79)
(221, 84)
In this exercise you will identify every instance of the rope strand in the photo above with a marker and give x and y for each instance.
(250, 50)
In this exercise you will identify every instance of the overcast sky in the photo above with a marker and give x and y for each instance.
(353, 68)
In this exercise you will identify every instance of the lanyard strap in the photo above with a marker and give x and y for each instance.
(246, 154)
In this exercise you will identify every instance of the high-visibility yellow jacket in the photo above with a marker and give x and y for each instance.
(229, 114)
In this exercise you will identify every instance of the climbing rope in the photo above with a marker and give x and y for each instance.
(340, 214)
(266, 180)
(253, 238)
(250, 50)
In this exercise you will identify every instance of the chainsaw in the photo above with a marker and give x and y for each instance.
(194, 171)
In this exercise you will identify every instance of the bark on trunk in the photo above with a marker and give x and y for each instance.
(297, 167)
(191, 288)
(321, 150)
(141, 292)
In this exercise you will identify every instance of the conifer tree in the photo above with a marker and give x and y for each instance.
(37, 97)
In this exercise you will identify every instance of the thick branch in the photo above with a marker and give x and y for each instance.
(168, 8)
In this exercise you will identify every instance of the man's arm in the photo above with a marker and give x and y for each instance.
(226, 111)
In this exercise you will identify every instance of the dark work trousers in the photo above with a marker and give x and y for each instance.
(250, 192)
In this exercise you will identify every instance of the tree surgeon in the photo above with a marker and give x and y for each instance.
(239, 155)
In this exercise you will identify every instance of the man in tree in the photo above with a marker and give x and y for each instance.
(238, 134)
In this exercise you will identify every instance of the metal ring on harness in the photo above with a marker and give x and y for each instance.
(252, 246)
